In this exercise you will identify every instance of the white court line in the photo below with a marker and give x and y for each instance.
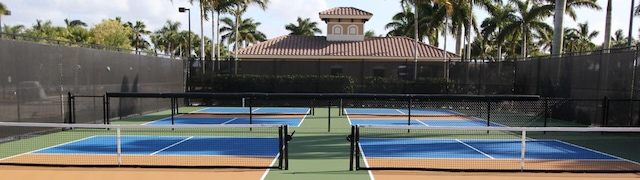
(174, 144)
(300, 123)
(266, 172)
(147, 123)
(423, 123)
(233, 119)
(477, 150)
(400, 111)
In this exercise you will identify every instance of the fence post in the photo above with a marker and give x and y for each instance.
(605, 111)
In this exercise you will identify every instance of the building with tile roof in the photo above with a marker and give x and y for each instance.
(344, 50)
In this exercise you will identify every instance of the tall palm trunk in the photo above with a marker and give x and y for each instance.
(235, 45)
(213, 43)
(558, 30)
(607, 29)
(458, 37)
(202, 38)
(218, 40)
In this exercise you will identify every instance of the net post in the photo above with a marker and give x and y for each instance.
(546, 111)
(356, 141)
(313, 106)
(172, 111)
(488, 113)
(522, 150)
(107, 109)
(118, 146)
(70, 104)
(281, 136)
(352, 147)
(409, 116)
(250, 109)
(286, 148)
(329, 115)
(340, 108)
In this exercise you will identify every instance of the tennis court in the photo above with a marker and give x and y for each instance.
(242, 146)
(466, 148)
(158, 151)
(291, 116)
(419, 117)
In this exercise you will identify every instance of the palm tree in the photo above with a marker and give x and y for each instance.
(619, 39)
(219, 6)
(500, 15)
(569, 10)
(3, 12)
(304, 27)
(248, 33)
(528, 21)
(240, 8)
(401, 24)
(167, 38)
(585, 37)
(370, 33)
(74, 23)
(137, 29)
(17, 29)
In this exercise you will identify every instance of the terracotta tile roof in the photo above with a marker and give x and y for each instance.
(349, 11)
(312, 47)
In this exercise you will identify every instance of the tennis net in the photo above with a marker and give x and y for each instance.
(566, 149)
(97, 145)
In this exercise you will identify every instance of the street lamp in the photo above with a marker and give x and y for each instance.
(188, 66)
(182, 10)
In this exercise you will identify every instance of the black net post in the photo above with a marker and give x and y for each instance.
(409, 116)
(488, 113)
(352, 148)
(286, 148)
(329, 115)
(313, 106)
(173, 110)
(356, 141)
(250, 110)
(71, 108)
(282, 138)
(107, 110)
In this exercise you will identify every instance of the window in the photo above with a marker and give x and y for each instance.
(337, 29)
(353, 30)
(378, 71)
(336, 70)
(402, 72)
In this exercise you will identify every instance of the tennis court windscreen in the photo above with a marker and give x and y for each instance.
(591, 149)
(95, 145)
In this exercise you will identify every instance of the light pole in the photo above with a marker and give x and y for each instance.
(182, 10)
(188, 63)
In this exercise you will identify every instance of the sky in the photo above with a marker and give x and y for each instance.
(154, 13)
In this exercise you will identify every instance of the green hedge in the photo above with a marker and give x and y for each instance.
(275, 84)
(419, 86)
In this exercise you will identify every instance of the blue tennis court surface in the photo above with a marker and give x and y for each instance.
(480, 149)
(254, 110)
(170, 145)
(383, 111)
(471, 122)
(293, 122)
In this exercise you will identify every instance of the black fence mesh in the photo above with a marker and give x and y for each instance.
(35, 78)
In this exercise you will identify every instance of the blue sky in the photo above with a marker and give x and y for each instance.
(280, 12)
